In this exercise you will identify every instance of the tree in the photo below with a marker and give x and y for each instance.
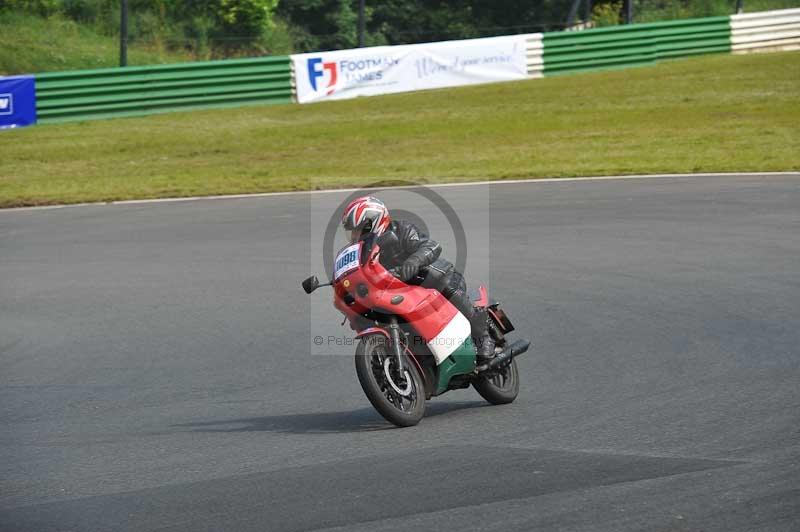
(322, 24)
(331, 24)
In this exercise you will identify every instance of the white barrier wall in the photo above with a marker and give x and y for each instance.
(534, 55)
(765, 31)
(389, 69)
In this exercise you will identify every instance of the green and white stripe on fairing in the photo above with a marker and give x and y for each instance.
(765, 31)
(449, 339)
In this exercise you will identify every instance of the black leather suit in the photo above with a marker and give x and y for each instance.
(402, 242)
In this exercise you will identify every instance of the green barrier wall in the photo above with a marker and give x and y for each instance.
(636, 44)
(132, 91)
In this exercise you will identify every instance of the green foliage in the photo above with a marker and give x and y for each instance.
(606, 14)
(658, 10)
(205, 28)
(86, 10)
(321, 24)
(42, 8)
(331, 24)
(751, 6)
(68, 46)
(248, 16)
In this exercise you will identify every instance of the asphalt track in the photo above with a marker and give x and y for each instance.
(156, 374)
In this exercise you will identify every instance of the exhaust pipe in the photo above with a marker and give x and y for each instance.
(508, 354)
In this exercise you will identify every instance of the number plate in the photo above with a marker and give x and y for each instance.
(346, 261)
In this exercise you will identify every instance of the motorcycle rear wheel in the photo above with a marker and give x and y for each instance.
(502, 388)
(371, 367)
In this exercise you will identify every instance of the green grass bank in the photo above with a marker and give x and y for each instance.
(711, 114)
(32, 44)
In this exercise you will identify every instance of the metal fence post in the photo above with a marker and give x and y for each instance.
(361, 23)
(573, 11)
(123, 33)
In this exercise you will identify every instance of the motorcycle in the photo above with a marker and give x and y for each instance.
(413, 343)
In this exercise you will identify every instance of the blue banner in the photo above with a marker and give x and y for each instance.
(17, 101)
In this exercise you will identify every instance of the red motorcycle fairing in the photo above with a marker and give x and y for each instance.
(369, 287)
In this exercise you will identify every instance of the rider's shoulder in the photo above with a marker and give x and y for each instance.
(403, 227)
(398, 231)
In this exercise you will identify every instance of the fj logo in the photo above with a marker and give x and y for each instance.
(318, 69)
(6, 104)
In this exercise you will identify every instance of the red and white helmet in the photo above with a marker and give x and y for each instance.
(366, 214)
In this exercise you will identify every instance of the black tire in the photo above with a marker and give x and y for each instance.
(370, 356)
(502, 388)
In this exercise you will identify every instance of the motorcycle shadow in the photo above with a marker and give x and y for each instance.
(361, 420)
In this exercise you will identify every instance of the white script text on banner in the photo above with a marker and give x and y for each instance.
(387, 69)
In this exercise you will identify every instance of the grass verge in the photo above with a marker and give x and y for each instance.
(711, 114)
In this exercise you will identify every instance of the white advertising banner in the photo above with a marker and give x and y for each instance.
(387, 69)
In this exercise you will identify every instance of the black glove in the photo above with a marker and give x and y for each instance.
(408, 270)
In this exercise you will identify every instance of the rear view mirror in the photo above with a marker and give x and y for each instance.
(311, 284)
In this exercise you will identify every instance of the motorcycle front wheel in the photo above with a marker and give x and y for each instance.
(399, 398)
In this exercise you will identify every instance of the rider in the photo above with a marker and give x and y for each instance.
(408, 253)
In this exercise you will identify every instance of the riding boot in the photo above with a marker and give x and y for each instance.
(484, 343)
